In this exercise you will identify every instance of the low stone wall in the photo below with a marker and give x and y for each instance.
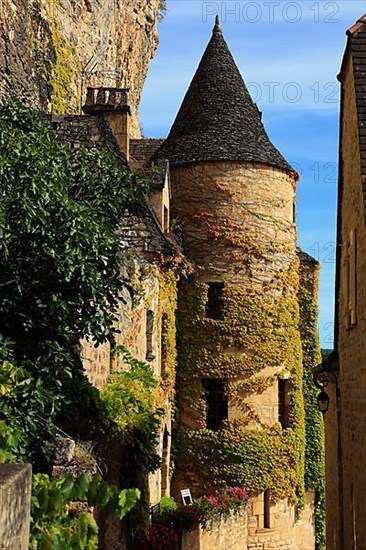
(227, 535)
(15, 498)
(286, 532)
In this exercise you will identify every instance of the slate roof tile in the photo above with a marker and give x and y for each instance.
(218, 119)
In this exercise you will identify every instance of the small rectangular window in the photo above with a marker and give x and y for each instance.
(216, 402)
(283, 402)
(214, 300)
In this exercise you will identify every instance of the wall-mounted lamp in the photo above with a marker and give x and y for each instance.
(323, 402)
(321, 381)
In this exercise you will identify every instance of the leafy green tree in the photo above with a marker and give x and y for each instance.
(60, 268)
(60, 256)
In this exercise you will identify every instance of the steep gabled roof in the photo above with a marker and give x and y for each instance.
(218, 119)
(143, 233)
(142, 153)
(357, 44)
(142, 150)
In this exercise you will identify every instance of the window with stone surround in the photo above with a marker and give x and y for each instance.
(267, 509)
(165, 464)
(214, 300)
(216, 402)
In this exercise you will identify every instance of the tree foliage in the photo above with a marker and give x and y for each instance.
(60, 271)
(52, 526)
(60, 256)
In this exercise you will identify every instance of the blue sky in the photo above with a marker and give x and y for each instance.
(289, 54)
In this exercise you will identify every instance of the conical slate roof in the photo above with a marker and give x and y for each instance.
(218, 119)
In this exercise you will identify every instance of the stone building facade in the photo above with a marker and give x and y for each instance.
(229, 195)
(345, 423)
(240, 371)
(146, 317)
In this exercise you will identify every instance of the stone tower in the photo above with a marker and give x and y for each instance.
(240, 404)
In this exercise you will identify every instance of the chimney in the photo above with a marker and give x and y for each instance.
(112, 105)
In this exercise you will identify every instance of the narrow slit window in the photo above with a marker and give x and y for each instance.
(267, 509)
(352, 278)
(149, 335)
(216, 402)
(214, 300)
(165, 464)
(163, 343)
(166, 220)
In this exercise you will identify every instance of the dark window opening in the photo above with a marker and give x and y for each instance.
(294, 212)
(149, 335)
(267, 509)
(283, 402)
(165, 464)
(163, 343)
(214, 300)
(166, 220)
(216, 402)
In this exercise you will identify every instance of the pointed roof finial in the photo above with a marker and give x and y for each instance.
(217, 27)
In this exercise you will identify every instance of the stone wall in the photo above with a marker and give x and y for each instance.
(332, 481)
(236, 218)
(15, 500)
(227, 535)
(238, 228)
(351, 339)
(285, 531)
(55, 48)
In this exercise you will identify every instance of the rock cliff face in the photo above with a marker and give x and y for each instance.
(51, 50)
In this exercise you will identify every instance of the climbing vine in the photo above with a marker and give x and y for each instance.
(58, 64)
(314, 451)
(255, 342)
(66, 71)
(166, 317)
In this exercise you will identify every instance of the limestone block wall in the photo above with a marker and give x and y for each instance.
(236, 219)
(305, 525)
(144, 339)
(351, 341)
(227, 535)
(286, 531)
(15, 500)
(333, 489)
(96, 362)
(265, 405)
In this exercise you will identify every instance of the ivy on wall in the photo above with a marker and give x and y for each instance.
(58, 64)
(256, 331)
(166, 317)
(314, 428)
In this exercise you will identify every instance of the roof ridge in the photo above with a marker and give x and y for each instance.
(352, 31)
